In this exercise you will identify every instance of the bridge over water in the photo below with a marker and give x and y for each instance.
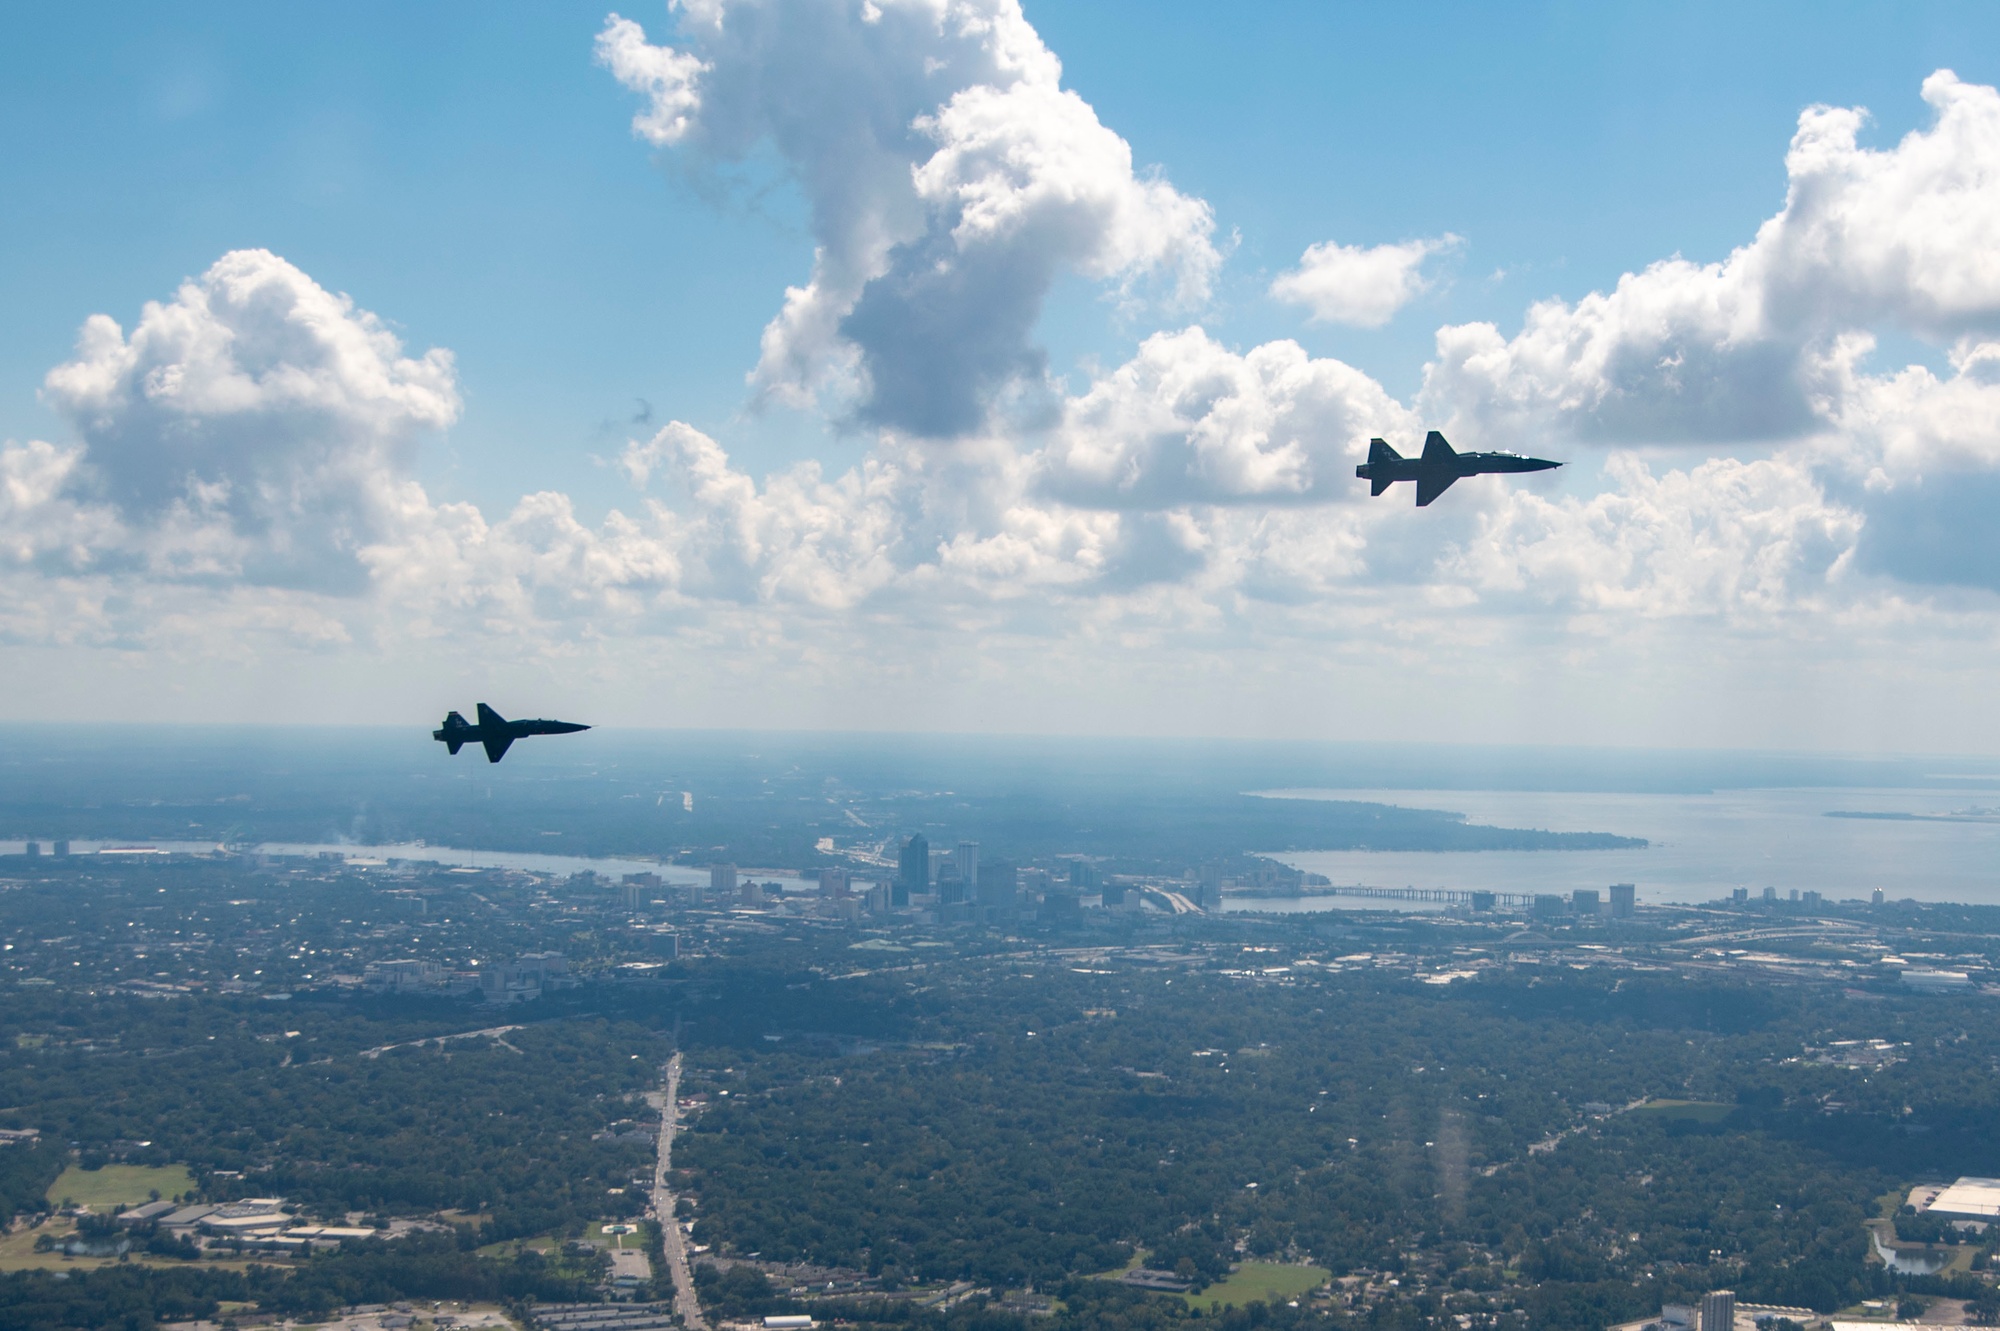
(1444, 896)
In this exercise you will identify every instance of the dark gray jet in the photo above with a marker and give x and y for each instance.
(1440, 465)
(496, 732)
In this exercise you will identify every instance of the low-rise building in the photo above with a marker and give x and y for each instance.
(527, 979)
(1968, 1199)
(254, 1215)
(398, 977)
(147, 1214)
(186, 1219)
(1936, 982)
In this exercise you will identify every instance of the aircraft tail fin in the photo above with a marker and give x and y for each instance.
(489, 717)
(1378, 485)
(1380, 452)
(496, 748)
(1436, 449)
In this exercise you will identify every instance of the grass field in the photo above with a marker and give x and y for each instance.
(130, 1185)
(1266, 1282)
(17, 1253)
(1700, 1111)
(636, 1239)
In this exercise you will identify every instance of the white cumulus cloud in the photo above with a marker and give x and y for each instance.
(257, 426)
(1190, 421)
(1362, 286)
(1725, 539)
(1748, 348)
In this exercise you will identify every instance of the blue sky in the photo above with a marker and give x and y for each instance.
(470, 175)
(465, 170)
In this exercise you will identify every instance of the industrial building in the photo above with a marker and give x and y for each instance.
(1968, 1199)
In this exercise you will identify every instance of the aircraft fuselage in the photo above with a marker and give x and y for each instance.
(1440, 465)
(495, 732)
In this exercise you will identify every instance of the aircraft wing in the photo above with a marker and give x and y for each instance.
(496, 746)
(1431, 483)
(489, 717)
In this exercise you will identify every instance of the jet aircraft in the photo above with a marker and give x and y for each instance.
(1440, 465)
(496, 732)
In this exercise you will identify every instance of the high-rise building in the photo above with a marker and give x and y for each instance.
(1482, 901)
(34, 850)
(1549, 906)
(1740, 895)
(1084, 874)
(913, 870)
(634, 889)
(722, 881)
(1208, 887)
(1624, 901)
(950, 887)
(1061, 908)
(966, 858)
(1718, 1310)
(999, 887)
(833, 883)
(1875, 897)
(62, 848)
(1770, 894)
(1584, 901)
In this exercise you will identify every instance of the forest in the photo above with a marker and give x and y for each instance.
(260, 1102)
(1061, 1122)
(1566, 1144)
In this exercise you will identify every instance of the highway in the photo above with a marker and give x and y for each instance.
(494, 1033)
(668, 1101)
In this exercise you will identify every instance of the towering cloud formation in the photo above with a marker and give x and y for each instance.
(951, 179)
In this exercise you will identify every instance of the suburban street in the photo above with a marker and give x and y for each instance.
(668, 1102)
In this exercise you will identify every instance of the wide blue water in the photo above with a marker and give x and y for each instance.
(1701, 845)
